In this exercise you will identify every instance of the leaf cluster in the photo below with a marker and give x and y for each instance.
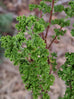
(42, 6)
(32, 58)
(67, 74)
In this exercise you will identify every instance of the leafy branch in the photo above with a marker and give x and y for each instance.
(32, 54)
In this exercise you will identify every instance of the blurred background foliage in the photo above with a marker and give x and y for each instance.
(5, 22)
(5, 27)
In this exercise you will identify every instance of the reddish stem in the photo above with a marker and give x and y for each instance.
(70, 86)
(47, 32)
(40, 11)
(50, 65)
(40, 14)
(49, 20)
(53, 39)
(52, 42)
(41, 17)
(48, 48)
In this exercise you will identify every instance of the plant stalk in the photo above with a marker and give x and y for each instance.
(41, 17)
(49, 20)
(53, 40)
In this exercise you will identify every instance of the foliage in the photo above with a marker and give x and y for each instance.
(32, 54)
(5, 22)
(5, 26)
(70, 10)
(67, 74)
(34, 71)
(53, 61)
(1, 52)
(72, 31)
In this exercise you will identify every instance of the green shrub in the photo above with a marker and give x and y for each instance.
(32, 54)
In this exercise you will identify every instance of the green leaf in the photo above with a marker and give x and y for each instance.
(58, 8)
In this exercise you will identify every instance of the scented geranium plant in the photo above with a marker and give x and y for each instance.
(32, 54)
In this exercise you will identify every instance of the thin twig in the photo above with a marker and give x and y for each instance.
(49, 20)
(53, 40)
(40, 11)
(40, 14)
(47, 33)
(48, 48)
(41, 17)
(70, 86)
(50, 65)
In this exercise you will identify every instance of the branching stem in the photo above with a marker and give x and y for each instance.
(50, 65)
(49, 20)
(53, 40)
(40, 11)
(41, 17)
(48, 48)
